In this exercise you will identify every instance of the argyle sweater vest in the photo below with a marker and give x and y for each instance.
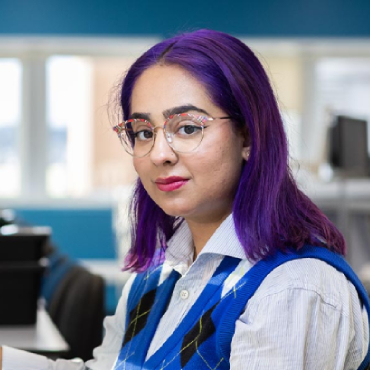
(203, 338)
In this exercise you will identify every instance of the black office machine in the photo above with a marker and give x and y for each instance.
(22, 264)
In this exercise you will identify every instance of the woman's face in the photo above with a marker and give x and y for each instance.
(199, 186)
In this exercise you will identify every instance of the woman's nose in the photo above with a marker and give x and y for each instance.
(161, 151)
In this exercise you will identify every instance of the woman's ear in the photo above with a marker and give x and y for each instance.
(246, 143)
(245, 152)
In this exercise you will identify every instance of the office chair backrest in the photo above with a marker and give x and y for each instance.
(76, 306)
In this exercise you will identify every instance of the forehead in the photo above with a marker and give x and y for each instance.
(162, 87)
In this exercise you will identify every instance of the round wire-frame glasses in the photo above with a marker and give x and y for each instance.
(183, 132)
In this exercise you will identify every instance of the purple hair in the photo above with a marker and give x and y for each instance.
(270, 212)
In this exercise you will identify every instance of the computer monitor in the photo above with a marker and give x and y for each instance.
(348, 146)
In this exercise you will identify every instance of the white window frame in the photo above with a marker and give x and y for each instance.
(33, 52)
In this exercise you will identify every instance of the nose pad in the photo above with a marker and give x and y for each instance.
(166, 135)
(161, 149)
(169, 137)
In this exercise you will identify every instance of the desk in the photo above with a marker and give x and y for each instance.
(42, 338)
(347, 203)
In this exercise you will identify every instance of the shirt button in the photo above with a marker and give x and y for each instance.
(184, 294)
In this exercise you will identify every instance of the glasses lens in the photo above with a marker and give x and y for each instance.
(137, 137)
(184, 132)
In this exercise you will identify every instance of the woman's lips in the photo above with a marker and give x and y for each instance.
(170, 183)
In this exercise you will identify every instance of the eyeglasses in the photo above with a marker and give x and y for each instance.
(184, 132)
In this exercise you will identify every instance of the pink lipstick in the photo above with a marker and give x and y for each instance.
(170, 183)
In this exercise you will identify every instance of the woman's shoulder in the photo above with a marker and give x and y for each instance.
(309, 275)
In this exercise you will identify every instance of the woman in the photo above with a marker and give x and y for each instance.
(234, 264)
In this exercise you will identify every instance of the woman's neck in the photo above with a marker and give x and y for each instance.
(202, 232)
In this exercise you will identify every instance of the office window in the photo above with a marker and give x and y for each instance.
(69, 112)
(56, 139)
(343, 88)
(84, 155)
(10, 117)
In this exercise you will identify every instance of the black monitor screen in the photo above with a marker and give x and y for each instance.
(348, 146)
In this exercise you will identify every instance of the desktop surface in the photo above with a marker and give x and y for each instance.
(42, 338)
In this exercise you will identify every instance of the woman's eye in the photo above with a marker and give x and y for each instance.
(189, 130)
(144, 135)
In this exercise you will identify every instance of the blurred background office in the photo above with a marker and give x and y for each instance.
(61, 63)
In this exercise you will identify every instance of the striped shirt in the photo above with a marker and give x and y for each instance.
(305, 315)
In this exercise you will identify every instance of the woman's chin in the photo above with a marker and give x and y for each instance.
(174, 212)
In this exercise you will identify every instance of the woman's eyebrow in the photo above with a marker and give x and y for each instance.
(169, 112)
(138, 115)
(183, 109)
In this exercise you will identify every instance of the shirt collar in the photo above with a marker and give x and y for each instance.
(224, 241)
